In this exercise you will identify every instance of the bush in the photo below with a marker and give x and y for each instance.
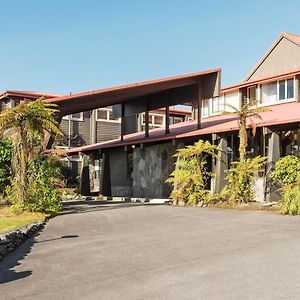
(240, 179)
(287, 173)
(5, 162)
(291, 200)
(44, 179)
(191, 175)
(287, 170)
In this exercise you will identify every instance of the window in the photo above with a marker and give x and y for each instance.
(106, 115)
(205, 107)
(269, 92)
(74, 117)
(158, 120)
(251, 92)
(290, 88)
(177, 120)
(281, 89)
(231, 101)
(155, 120)
(277, 90)
(217, 104)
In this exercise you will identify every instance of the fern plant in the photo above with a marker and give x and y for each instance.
(27, 124)
(191, 174)
(287, 173)
(240, 179)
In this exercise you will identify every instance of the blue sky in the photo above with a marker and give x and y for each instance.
(64, 46)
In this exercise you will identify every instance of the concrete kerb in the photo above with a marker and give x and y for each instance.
(126, 199)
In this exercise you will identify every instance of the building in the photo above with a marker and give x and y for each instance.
(136, 163)
(92, 126)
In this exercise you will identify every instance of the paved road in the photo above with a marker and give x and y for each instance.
(122, 251)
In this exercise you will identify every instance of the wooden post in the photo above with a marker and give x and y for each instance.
(199, 106)
(122, 122)
(167, 120)
(147, 118)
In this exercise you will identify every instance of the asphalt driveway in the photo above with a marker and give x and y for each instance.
(127, 251)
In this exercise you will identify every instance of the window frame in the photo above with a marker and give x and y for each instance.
(278, 101)
(71, 118)
(108, 119)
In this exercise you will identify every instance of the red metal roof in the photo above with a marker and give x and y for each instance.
(115, 95)
(279, 114)
(26, 94)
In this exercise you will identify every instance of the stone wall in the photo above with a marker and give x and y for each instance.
(13, 239)
(151, 167)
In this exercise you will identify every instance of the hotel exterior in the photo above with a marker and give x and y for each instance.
(135, 159)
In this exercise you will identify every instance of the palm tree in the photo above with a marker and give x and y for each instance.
(28, 124)
(249, 110)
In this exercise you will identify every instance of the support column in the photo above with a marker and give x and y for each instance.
(167, 120)
(221, 166)
(297, 87)
(147, 120)
(199, 106)
(122, 121)
(84, 183)
(105, 183)
(93, 129)
(272, 193)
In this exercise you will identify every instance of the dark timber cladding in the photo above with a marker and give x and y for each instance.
(129, 100)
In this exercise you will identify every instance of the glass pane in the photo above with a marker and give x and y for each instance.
(251, 93)
(205, 107)
(290, 88)
(102, 114)
(269, 92)
(281, 89)
(215, 105)
(158, 120)
(177, 120)
(111, 117)
(76, 116)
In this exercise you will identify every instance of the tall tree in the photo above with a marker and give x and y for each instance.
(28, 124)
(249, 110)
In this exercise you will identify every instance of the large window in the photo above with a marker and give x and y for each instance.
(277, 90)
(106, 115)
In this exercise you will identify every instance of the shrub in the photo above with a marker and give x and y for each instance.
(287, 170)
(44, 179)
(240, 179)
(191, 175)
(5, 162)
(291, 200)
(287, 173)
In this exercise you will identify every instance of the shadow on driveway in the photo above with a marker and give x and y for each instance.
(85, 206)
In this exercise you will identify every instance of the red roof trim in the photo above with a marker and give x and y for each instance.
(260, 80)
(26, 94)
(134, 85)
(285, 113)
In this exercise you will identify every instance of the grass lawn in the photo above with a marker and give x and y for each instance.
(9, 221)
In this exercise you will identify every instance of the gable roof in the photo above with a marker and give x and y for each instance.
(294, 38)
